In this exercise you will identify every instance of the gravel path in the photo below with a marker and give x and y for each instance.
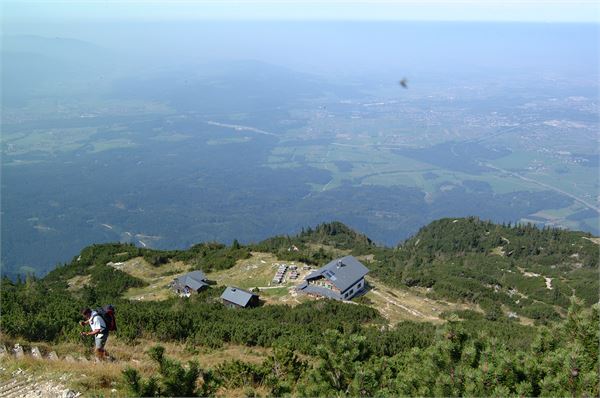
(23, 385)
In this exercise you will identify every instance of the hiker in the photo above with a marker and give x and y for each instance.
(99, 331)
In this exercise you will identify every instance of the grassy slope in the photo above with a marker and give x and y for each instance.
(404, 304)
(105, 379)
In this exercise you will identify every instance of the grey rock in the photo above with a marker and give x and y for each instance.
(83, 359)
(18, 372)
(35, 352)
(70, 358)
(70, 394)
(18, 350)
(52, 356)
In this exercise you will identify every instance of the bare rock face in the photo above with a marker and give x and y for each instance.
(18, 350)
(70, 358)
(35, 353)
(52, 356)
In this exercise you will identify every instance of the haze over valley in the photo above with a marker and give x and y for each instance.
(183, 138)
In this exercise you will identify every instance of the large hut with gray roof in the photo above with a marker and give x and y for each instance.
(341, 279)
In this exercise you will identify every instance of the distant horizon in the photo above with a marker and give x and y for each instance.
(89, 33)
(542, 11)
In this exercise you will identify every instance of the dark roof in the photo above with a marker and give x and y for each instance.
(237, 296)
(341, 272)
(198, 275)
(321, 291)
(195, 280)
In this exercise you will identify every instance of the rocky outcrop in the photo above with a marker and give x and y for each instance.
(35, 353)
(70, 359)
(18, 351)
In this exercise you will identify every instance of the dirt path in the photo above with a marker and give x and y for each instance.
(534, 275)
(594, 240)
(273, 287)
(391, 302)
(23, 385)
(397, 304)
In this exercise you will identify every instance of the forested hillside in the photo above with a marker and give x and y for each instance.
(323, 347)
(519, 269)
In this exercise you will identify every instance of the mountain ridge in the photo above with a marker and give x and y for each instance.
(475, 333)
(519, 270)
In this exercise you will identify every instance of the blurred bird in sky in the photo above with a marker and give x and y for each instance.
(404, 82)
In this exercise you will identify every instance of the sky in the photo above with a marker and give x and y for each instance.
(23, 12)
(325, 35)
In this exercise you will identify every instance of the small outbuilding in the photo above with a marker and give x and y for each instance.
(189, 283)
(234, 297)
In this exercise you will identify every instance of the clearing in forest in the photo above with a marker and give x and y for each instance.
(394, 304)
(402, 304)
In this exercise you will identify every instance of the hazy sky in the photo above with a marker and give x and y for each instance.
(19, 12)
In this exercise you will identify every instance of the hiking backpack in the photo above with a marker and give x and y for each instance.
(108, 314)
